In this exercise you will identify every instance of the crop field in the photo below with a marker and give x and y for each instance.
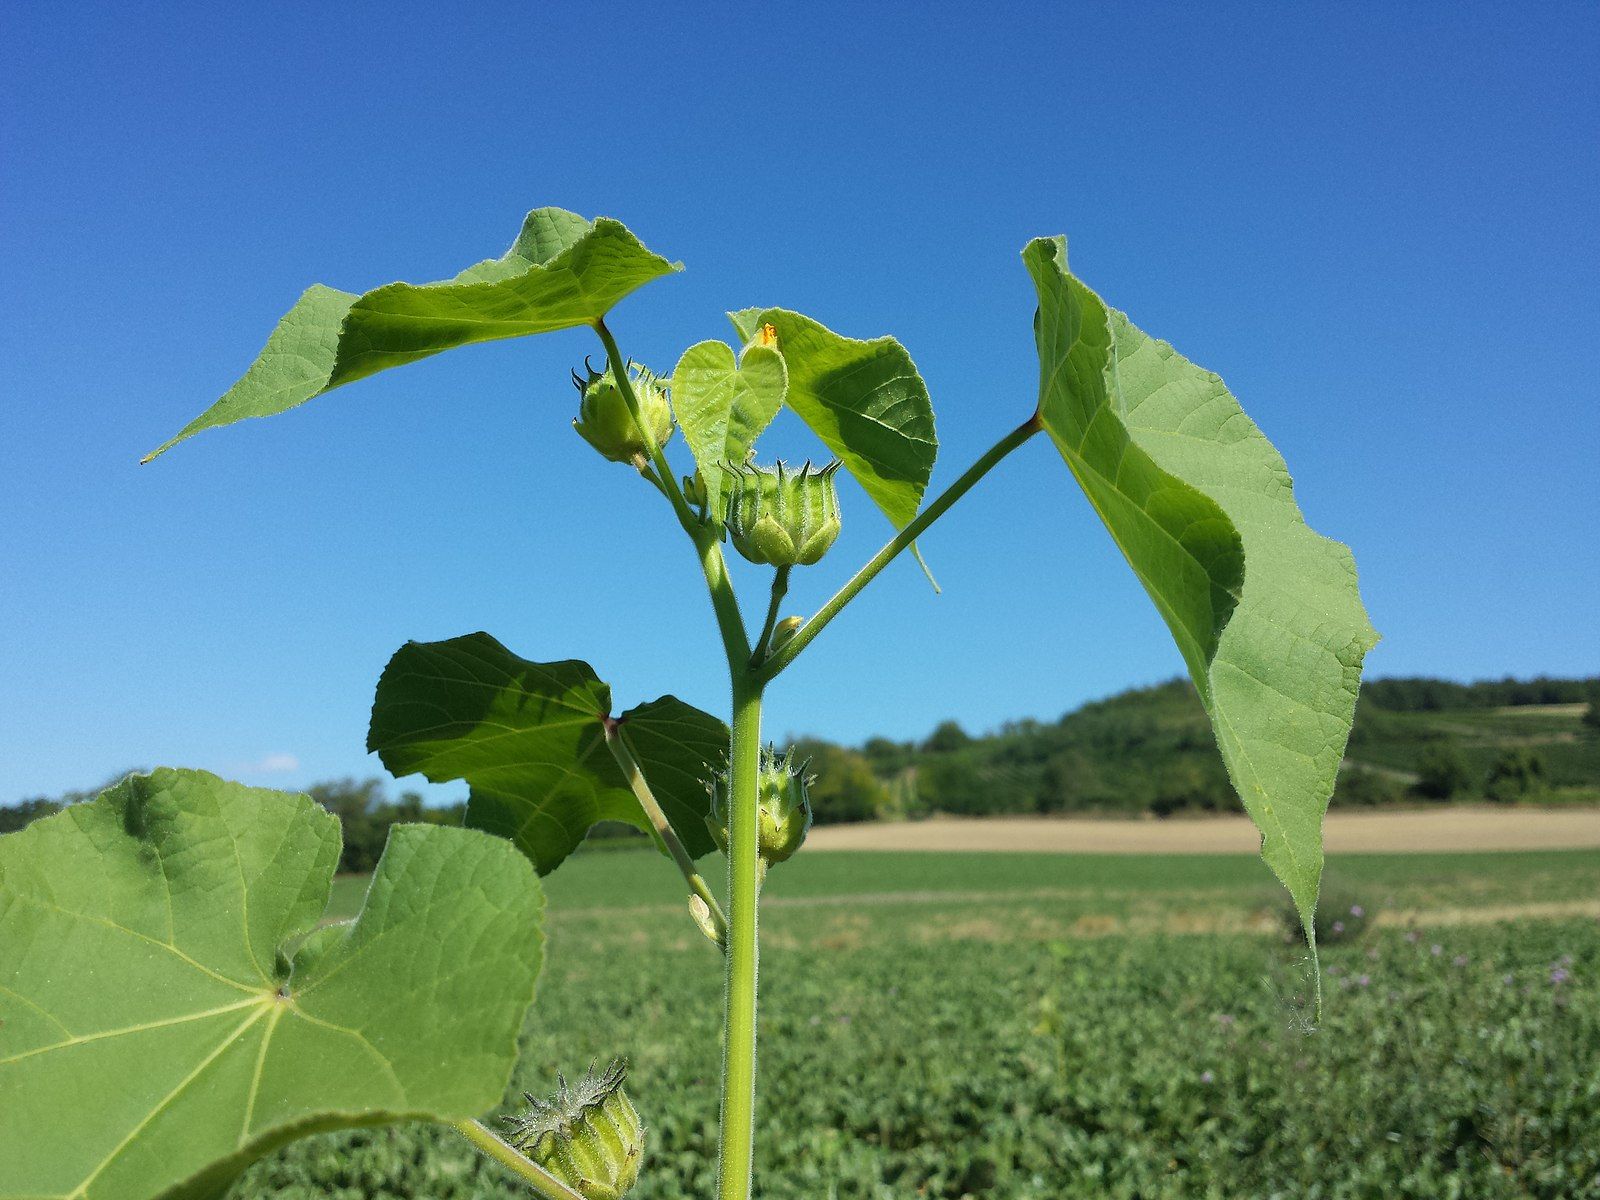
(1035, 1026)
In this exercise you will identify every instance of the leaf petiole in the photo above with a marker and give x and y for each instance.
(780, 587)
(906, 537)
(664, 831)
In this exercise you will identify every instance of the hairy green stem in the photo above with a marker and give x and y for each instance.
(491, 1145)
(780, 586)
(739, 1047)
(735, 639)
(937, 508)
(663, 827)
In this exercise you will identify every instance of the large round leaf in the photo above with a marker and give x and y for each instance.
(169, 1010)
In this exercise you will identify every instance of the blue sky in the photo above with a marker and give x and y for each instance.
(1376, 221)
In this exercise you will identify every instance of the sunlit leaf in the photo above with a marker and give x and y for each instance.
(865, 400)
(723, 403)
(529, 738)
(159, 1028)
(561, 272)
(1265, 611)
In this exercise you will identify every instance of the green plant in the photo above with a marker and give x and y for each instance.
(195, 902)
(1515, 773)
(1441, 774)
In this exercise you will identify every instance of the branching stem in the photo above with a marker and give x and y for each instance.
(735, 639)
(819, 621)
(658, 821)
(780, 587)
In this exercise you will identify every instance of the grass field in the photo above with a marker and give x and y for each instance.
(1029, 1026)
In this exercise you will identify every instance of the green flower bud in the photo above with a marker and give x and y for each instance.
(605, 422)
(781, 516)
(783, 631)
(694, 490)
(783, 807)
(589, 1136)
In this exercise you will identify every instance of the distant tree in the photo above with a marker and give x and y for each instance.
(1073, 781)
(1361, 787)
(17, 816)
(1591, 716)
(23, 813)
(356, 803)
(1517, 773)
(1429, 695)
(952, 784)
(1441, 773)
(1186, 784)
(947, 736)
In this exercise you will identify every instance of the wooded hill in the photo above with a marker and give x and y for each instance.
(1149, 750)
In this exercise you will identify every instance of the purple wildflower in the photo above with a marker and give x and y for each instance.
(1338, 926)
(1207, 1077)
(1413, 936)
(1363, 980)
(1357, 911)
(1559, 975)
(1460, 960)
(1436, 949)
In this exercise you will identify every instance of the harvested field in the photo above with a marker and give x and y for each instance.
(1434, 829)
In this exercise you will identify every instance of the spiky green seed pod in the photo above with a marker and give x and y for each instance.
(588, 1136)
(605, 422)
(783, 807)
(781, 516)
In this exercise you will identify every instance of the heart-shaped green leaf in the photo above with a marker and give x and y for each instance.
(159, 1030)
(1265, 611)
(865, 400)
(530, 740)
(561, 272)
(723, 403)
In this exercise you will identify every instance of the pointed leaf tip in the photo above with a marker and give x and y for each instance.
(1265, 611)
(561, 272)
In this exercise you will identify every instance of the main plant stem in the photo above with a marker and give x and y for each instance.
(749, 678)
(735, 641)
(739, 1045)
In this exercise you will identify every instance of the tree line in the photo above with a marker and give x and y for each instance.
(1145, 751)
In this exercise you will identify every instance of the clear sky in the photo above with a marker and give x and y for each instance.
(1377, 222)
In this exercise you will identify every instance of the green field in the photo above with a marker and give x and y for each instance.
(1031, 1026)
